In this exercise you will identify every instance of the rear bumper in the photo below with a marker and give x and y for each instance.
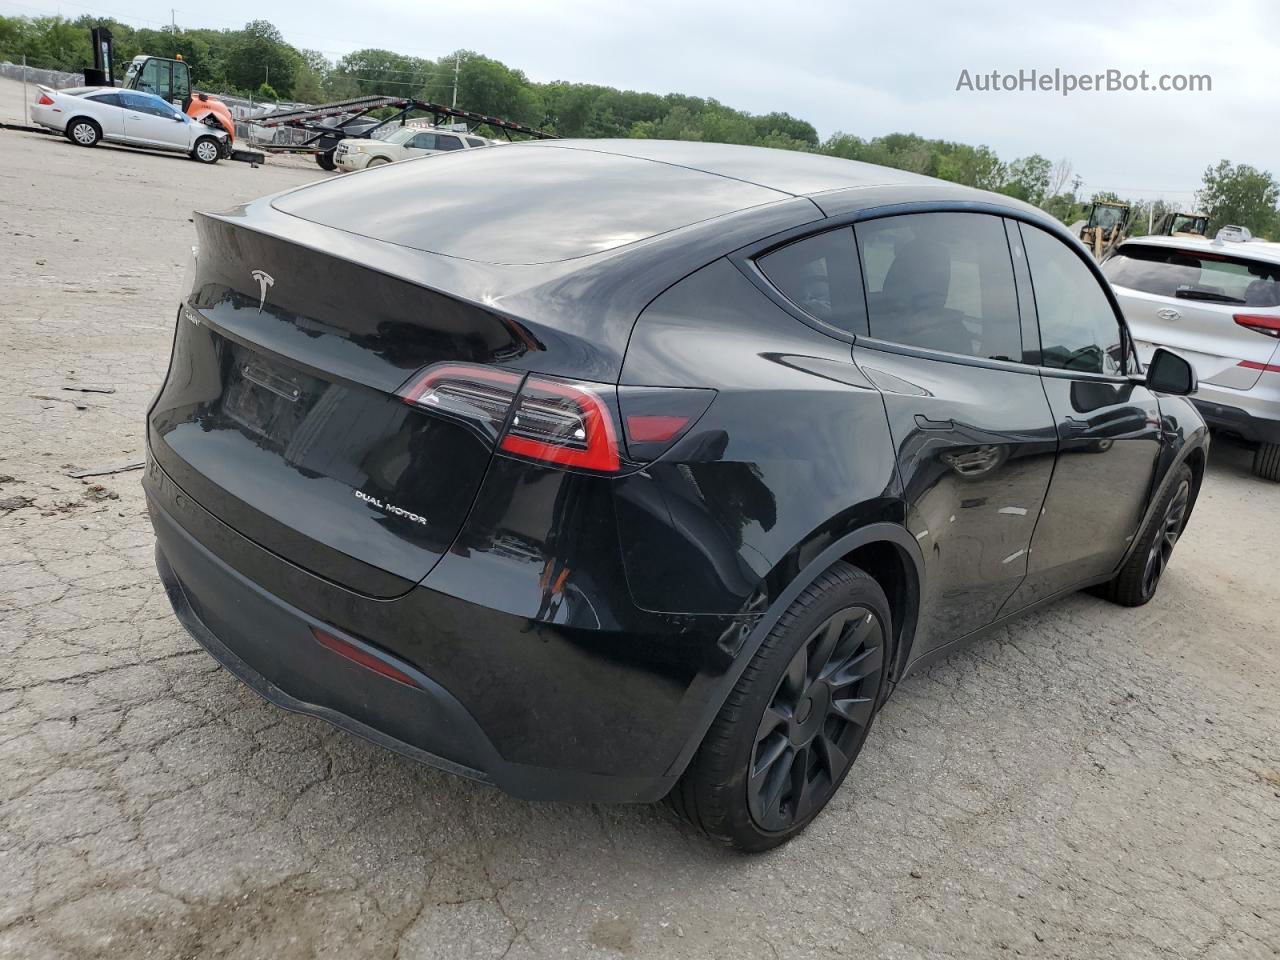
(269, 646)
(45, 117)
(268, 643)
(1254, 418)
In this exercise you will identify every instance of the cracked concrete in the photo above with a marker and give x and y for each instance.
(1091, 782)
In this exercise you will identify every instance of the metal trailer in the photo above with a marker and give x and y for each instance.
(350, 119)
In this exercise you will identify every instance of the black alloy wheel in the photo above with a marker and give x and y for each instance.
(1166, 538)
(1138, 578)
(816, 721)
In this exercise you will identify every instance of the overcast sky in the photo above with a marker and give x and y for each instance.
(864, 68)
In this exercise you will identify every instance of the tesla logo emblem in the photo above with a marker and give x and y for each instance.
(265, 283)
(1168, 313)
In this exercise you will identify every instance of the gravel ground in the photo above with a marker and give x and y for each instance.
(1092, 782)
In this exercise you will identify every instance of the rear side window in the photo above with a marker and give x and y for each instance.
(475, 141)
(942, 281)
(1078, 328)
(111, 99)
(819, 275)
(1195, 275)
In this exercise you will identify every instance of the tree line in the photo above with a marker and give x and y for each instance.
(257, 61)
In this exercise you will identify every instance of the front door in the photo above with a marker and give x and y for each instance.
(973, 429)
(153, 122)
(1108, 426)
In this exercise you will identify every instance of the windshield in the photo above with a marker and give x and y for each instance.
(1193, 275)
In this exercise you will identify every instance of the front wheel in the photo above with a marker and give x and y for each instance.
(206, 150)
(1138, 579)
(792, 727)
(376, 162)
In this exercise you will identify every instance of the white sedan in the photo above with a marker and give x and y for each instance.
(86, 115)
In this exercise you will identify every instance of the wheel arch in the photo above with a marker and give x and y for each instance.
(884, 550)
(72, 121)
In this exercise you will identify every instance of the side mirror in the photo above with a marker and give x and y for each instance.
(1169, 373)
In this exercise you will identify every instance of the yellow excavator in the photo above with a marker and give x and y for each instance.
(1104, 227)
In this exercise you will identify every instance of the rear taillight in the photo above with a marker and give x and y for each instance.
(569, 423)
(1267, 326)
(45, 100)
(564, 422)
(481, 397)
(654, 418)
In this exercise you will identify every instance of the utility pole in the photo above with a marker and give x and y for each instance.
(457, 64)
(173, 20)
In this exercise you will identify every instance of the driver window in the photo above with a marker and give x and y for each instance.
(1078, 328)
(423, 141)
(942, 281)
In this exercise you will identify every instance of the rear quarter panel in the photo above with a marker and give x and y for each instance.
(793, 453)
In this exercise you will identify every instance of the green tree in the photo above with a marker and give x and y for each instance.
(1241, 195)
(1028, 179)
(260, 55)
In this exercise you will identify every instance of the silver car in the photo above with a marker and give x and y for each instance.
(88, 115)
(1217, 303)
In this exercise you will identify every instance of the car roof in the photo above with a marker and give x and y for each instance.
(788, 171)
(1252, 250)
(554, 200)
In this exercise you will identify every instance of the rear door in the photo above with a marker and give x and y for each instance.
(974, 432)
(1108, 425)
(1208, 305)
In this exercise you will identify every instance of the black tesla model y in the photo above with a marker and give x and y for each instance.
(622, 470)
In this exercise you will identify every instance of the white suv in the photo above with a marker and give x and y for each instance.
(1217, 303)
(401, 144)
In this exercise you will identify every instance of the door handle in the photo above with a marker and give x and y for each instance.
(924, 423)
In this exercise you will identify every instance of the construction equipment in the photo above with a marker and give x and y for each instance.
(323, 127)
(1104, 227)
(1183, 225)
(167, 77)
(170, 78)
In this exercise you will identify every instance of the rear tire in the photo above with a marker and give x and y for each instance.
(1266, 461)
(791, 729)
(325, 160)
(1139, 578)
(206, 150)
(84, 132)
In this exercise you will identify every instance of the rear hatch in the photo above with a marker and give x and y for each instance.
(281, 412)
(296, 409)
(1218, 308)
